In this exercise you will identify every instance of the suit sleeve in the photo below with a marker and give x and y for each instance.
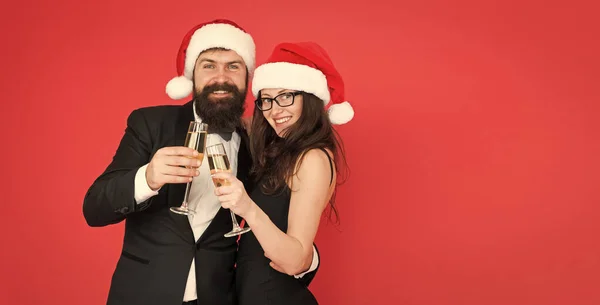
(313, 265)
(112, 195)
(307, 277)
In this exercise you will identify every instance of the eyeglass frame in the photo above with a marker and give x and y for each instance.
(259, 101)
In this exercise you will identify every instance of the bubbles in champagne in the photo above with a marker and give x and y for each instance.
(219, 163)
(196, 140)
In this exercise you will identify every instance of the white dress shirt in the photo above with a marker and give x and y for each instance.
(202, 200)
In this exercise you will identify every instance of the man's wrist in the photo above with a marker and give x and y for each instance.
(150, 184)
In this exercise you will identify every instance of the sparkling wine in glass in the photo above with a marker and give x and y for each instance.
(218, 162)
(195, 139)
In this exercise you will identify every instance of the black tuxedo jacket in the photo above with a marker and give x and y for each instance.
(159, 245)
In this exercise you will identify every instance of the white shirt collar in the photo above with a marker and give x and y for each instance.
(196, 117)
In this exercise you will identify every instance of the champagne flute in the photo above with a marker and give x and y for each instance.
(195, 139)
(218, 162)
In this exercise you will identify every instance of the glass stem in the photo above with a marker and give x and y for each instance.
(187, 194)
(235, 223)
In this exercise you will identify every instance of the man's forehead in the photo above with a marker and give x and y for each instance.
(220, 55)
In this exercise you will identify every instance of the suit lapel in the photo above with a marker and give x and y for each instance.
(176, 191)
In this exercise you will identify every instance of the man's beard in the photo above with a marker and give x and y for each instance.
(224, 114)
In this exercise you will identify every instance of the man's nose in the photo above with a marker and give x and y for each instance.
(221, 78)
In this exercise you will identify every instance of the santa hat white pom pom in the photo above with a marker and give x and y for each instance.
(179, 87)
(340, 113)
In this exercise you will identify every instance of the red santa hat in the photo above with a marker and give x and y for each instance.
(220, 33)
(305, 66)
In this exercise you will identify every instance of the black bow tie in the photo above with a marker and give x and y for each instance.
(225, 135)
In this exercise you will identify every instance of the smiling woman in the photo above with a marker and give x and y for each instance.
(297, 156)
(285, 112)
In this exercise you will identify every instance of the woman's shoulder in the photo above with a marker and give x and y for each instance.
(316, 155)
(315, 161)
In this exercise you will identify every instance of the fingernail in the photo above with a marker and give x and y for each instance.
(195, 153)
(198, 163)
(197, 173)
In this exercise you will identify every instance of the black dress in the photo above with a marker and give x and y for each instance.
(256, 282)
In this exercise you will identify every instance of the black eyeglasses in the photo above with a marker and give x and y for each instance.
(283, 100)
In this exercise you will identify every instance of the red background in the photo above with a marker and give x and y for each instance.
(474, 150)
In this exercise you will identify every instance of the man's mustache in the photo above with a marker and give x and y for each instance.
(219, 87)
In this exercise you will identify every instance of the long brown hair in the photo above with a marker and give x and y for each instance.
(276, 158)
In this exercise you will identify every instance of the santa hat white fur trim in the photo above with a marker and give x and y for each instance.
(216, 35)
(179, 87)
(340, 113)
(291, 76)
(219, 35)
